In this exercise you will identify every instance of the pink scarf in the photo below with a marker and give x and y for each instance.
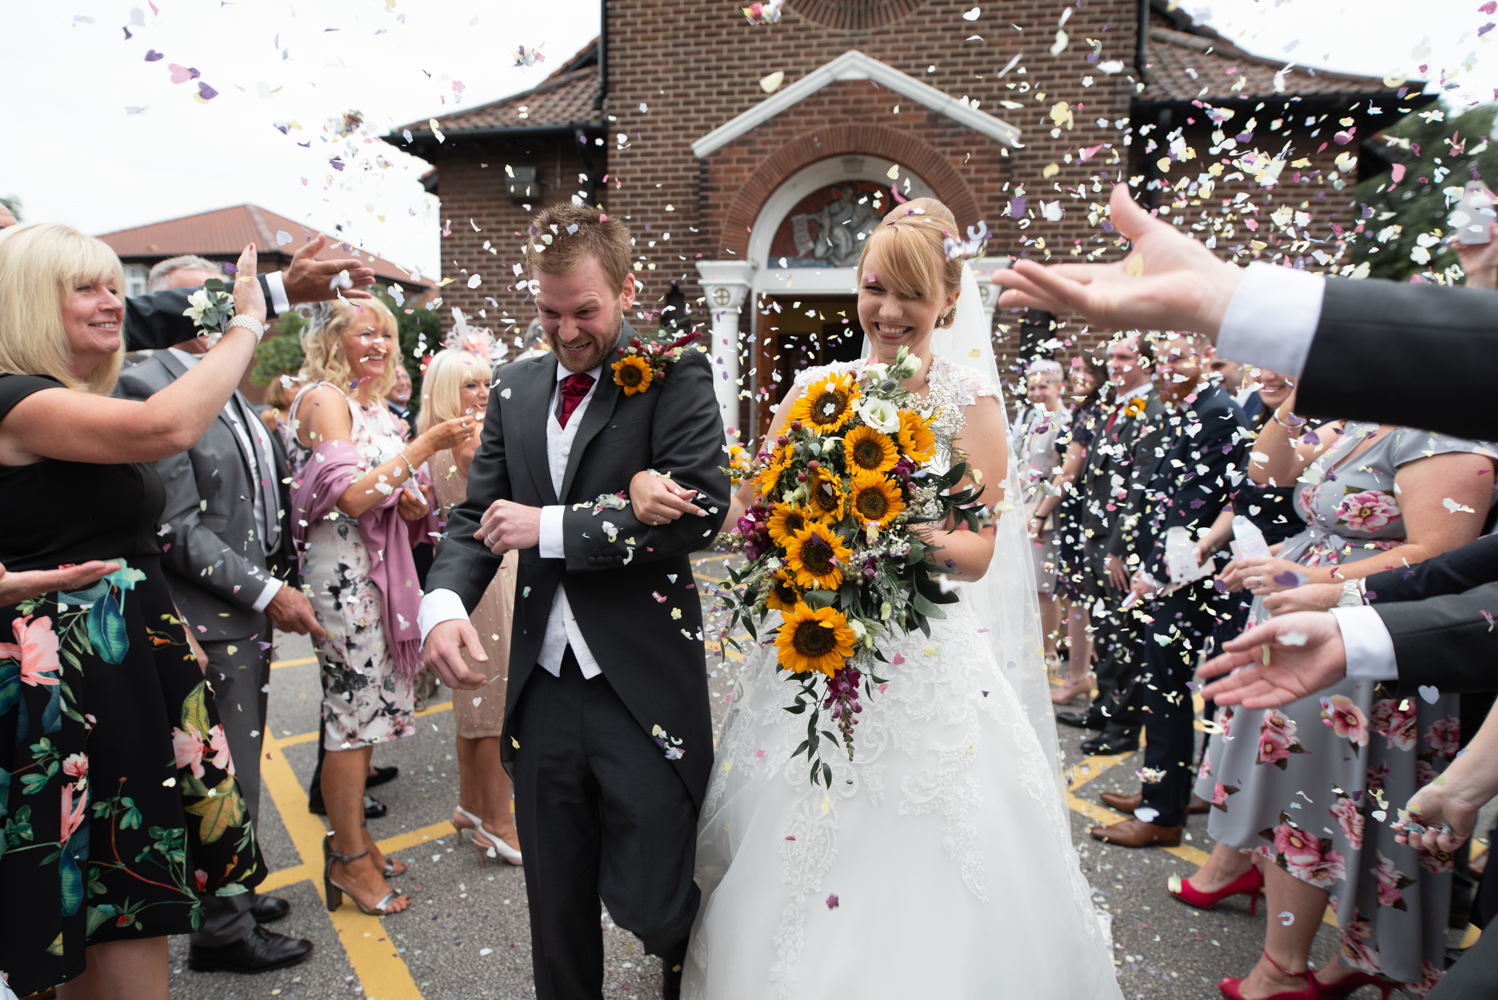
(330, 470)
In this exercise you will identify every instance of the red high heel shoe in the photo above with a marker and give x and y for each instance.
(1229, 987)
(1250, 882)
(1353, 981)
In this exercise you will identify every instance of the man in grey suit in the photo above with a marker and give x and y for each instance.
(226, 551)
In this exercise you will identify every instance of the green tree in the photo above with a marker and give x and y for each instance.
(1444, 152)
(280, 353)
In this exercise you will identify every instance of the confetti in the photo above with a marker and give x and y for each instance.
(1430, 693)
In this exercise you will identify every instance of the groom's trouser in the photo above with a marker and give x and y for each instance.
(1172, 645)
(601, 813)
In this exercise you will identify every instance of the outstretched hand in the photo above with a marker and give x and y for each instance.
(28, 584)
(1168, 281)
(1304, 655)
(311, 280)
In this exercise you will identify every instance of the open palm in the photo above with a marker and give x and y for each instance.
(1306, 655)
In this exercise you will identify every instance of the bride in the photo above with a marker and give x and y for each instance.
(940, 863)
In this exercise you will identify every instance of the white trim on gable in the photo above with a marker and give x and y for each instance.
(854, 65)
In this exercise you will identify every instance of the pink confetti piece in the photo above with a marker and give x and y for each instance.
(181, 74)
(832, 901)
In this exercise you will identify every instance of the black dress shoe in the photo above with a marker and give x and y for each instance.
(269, 909)
(373, 808)
(1113, 739)
(1080, 720)
(261, 951)
(382, 775)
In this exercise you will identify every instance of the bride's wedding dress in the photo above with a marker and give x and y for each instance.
(940, 863)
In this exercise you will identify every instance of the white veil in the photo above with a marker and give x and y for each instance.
(1005, 599)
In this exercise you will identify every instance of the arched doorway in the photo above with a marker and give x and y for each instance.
(804, 249)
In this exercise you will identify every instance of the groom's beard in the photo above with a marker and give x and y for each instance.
(603, 345)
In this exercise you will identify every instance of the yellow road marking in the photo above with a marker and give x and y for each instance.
(278, 664)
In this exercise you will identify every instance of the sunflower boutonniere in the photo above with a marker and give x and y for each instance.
(1134, 407)
(641, 363)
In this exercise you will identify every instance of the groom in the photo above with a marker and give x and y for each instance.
(607, 731)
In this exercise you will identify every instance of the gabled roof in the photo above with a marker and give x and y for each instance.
(1185, 62)
(568, 98)
(224, 232)
(854, 65)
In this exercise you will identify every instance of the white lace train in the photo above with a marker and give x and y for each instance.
(945, 842)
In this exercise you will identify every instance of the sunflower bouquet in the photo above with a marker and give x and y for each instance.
(832, 539)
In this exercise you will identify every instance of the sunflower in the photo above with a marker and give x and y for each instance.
(825, 495)
(827, 404)
(869, 450)
(814, 640)
(786, 520)
(814, 554)
(916, 439)
(875, 500)
(782, 595)
(633, 373)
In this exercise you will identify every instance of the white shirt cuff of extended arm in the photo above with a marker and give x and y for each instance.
(1272, 318)
(272, 586)
(1370, 650)
(439, 606)
(551, 532)
(276, 282)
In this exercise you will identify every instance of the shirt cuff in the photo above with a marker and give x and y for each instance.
(551, 546)
(276, 282)
(1272, 318)
(439, 606)
(271, 587)
(1370, 650)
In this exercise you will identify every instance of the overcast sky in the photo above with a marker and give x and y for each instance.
(94, 134)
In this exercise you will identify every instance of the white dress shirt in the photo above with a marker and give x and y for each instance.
(276, 282)
(442, 605)
(262, 471)
(1270, 323)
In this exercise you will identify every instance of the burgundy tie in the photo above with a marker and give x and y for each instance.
(574, 388)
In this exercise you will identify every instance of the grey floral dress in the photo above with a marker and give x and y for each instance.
(363, 702)
(1314, 786)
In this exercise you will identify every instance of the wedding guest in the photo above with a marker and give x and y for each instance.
(230, 568)
(353, 493)
(1373, 497)
(277, 408)
(457, 385)
(110, 713)
(399, 396)
(1200, 454)
(1035, 452)
(1090, 387)
(186, 271)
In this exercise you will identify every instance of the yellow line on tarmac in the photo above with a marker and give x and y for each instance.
(278, 664)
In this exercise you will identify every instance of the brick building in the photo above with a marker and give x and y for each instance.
(748, 191)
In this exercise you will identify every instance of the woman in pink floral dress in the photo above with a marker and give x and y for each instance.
(1310, 789)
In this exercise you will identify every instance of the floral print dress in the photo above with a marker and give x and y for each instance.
(363, 701)
(1315, 785)
(119, 808)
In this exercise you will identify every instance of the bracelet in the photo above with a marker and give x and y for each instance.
(1352, 595)
(253, 325)
(1293, 426)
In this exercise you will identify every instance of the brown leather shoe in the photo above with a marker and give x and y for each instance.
(1136, 833)
(1198, 805)
(1123, 803)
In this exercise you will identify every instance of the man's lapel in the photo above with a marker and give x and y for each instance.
(177, 369)
(534, 402)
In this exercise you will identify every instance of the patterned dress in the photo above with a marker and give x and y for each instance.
(119, 808)
(481, 712)
(1314, 786)
(363, 702)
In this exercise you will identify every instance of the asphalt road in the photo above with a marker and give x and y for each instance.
(467, 935)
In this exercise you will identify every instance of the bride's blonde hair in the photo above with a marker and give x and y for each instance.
(908, 253)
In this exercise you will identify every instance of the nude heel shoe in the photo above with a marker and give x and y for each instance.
(495, 845)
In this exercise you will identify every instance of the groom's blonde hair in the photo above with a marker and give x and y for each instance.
(907, 253)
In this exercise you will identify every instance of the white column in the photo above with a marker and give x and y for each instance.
(988, 292)
(725, 283)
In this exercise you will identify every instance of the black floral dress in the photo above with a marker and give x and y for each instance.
(119, 808)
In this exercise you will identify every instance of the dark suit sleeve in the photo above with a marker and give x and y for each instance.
(464, 564)
(1453, 572)
(686, 442)
(155, 321)
(1381, 333)
(1446, 641)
